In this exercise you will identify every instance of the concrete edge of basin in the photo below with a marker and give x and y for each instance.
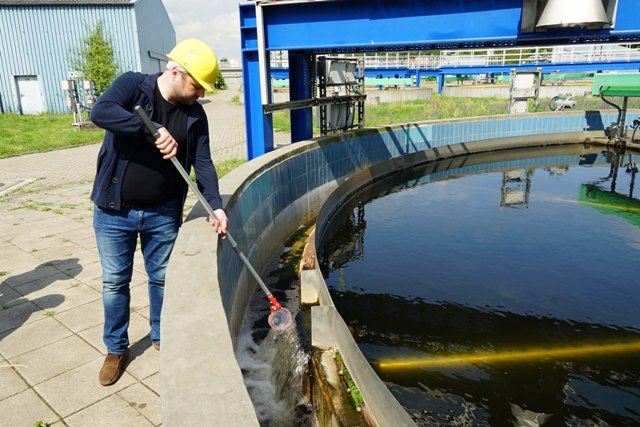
(200, 380)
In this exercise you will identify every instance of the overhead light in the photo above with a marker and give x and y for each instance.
(572, 13)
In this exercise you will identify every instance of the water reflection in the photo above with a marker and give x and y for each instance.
(516, 188)
(449, 271)
(611, 202)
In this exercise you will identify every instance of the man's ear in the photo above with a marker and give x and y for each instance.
(174, 73)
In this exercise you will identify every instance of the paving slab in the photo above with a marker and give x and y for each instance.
(9, 297)
(12, 383)
(73, 292)
(25, 409)
(19, 259)
(16, 227)
(65, 251)
(59, 224)
(85, 267)
(54, 359)
(139, 296)
(144, 400)
(83, 233)
(101, 414)
(153, 383)
(79, 388)
(83, 317)
(93, 336)
(144, 359)
(28, 212)
(37, 240)
(22, 275)
(32, 336)
(19, 314)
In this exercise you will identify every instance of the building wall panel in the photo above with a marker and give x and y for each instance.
(155, 32)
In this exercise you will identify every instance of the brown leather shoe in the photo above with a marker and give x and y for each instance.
(156, 345)
(113, 367)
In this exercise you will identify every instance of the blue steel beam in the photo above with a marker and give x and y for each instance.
(300, 88)
(259, 126)
(370, 25)
(342, 26)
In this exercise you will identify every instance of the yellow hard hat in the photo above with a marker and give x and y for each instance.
(198, 60)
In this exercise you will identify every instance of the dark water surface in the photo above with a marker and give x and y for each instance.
(514, 251)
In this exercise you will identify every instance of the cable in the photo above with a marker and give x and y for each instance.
(636, 125)
(611, 103)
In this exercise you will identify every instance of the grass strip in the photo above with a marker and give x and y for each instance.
(45, 132)
(439, 107)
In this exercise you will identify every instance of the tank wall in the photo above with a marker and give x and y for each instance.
(290, 184)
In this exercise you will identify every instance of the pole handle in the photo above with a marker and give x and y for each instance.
(146, 121)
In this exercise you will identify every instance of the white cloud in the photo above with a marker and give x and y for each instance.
(215, 22)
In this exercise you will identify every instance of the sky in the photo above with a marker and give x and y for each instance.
(215, 22)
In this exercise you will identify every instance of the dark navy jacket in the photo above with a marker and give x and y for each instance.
(114, 113)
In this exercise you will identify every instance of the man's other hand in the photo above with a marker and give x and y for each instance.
(220, 223)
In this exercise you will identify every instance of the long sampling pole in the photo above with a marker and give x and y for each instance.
(280, 317)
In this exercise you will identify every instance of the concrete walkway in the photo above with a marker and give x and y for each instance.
(51, 314)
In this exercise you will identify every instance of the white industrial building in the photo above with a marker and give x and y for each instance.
(40, 39)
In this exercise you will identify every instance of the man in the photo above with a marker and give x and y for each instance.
(138, 193)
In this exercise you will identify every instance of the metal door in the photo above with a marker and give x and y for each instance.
(29, 95)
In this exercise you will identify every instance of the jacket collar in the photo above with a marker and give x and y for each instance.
(148, 86)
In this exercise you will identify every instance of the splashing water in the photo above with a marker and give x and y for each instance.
(289, 373)
(274, 363)
(275, 374)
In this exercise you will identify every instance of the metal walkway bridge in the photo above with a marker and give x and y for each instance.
(551, 59)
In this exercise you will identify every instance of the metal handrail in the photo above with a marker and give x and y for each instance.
(589, 53)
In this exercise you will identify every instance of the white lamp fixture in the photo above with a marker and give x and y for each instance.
(572, 13)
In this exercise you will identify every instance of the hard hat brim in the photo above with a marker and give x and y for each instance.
(205, 85)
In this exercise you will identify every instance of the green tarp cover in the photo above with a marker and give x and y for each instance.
(616, 84)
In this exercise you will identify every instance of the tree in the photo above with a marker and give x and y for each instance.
(96, 59)
(220, 83)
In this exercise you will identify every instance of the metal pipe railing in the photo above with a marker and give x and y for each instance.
(513, 56)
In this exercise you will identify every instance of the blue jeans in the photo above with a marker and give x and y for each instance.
(117, 232)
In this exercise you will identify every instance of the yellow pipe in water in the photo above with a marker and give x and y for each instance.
(511, 356)
(610, 206)
(626, 208)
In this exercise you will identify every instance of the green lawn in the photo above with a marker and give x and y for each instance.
(227, 166)
(434, 108)
(33, 134)
(440, 107)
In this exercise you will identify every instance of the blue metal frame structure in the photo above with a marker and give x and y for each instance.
(307, 28)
